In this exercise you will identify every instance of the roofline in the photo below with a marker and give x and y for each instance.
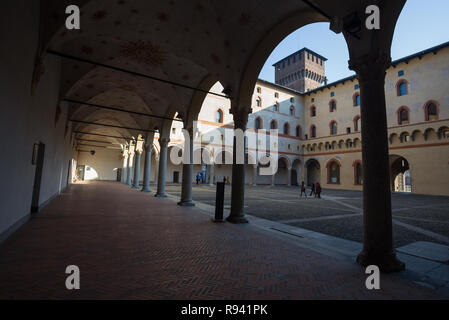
(394, 63)
(303, 49)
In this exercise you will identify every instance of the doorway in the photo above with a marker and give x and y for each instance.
(176, 177)
(38, 160)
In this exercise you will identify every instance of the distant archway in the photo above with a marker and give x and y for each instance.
(401, 180)
(313, 171)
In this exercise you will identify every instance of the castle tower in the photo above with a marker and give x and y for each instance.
(303, 70)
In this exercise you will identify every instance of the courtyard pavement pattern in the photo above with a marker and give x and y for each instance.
(338, 212)
(131, 245)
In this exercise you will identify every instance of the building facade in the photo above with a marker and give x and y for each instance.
(319, 136)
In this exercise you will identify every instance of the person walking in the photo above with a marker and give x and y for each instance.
(312, 190)
(303, 190)
(198, 177)
(318, 190)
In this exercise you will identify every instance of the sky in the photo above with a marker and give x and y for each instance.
(421, 25)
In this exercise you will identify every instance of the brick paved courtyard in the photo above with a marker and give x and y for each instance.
(339, 212)
(131, 245)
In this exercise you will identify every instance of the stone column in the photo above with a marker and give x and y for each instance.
(162, 168)
(273, 177)
(130, 169)
(238, 177)
(211, 174)
(187, 170)
(378, 232)
(254, 175)
(289, 177)
(147, 169)
(125, 166)
(136, 184)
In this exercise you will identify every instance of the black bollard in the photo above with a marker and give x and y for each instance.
(219, 202)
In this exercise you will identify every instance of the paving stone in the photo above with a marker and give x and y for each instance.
(131, 245)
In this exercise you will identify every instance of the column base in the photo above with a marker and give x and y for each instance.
(186, 203)
(136, 187)
(236, 220)
(160, 195)
(387, 263)
(147, 190)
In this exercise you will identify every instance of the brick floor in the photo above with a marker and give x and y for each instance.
(131, 245)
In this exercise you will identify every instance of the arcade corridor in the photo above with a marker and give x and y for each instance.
(130, 245)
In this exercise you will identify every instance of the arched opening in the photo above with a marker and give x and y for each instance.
(313, 111)
(313, 173)
(333, 171)
(403, 115)
(286, 129)
(332, 105)
(219, 116)
(298, 131)
(356, 99)
(333, 127)
(358, 172)
(401, 180)
(281, 176)
(258, 123)
(296, 172)
(431, 111)
(402, 88)
(273, 125)
(313, 131)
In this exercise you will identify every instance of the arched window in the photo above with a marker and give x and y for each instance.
(276, 107)
(292, 110)
(403, 115)
(333, 127)
(356, 99)
(357, 123)
(286, 129)
(402, 87)
(312, 111)
(358, 173)
(313, 131)
(259, 102)
(332, 106)
(258, 123)
(298, 131)
(219, 116)
(333, 172)
(273, 125)
(431, 111)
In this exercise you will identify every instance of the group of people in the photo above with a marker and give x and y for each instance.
(315, 190)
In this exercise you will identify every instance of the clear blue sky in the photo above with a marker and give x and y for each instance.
(421, 25)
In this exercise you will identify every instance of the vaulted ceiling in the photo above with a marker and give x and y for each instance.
(176, 40)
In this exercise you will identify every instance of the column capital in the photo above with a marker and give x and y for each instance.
(240, 117)
(164, 142)
(148, 147)
(370, 67)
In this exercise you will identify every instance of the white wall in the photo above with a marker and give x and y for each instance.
(26, 119)
(105, 162)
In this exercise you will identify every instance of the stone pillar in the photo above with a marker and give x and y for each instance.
(289, 177)
(136, 184)
(273, 177)
(125, 167)
(211, 174)
(378, 232)
(162, 168)
(238, 178)
(130, 169)
(187, 171)
(254, 175)
(147, 169)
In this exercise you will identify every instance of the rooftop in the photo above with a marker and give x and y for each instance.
(300, 51)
